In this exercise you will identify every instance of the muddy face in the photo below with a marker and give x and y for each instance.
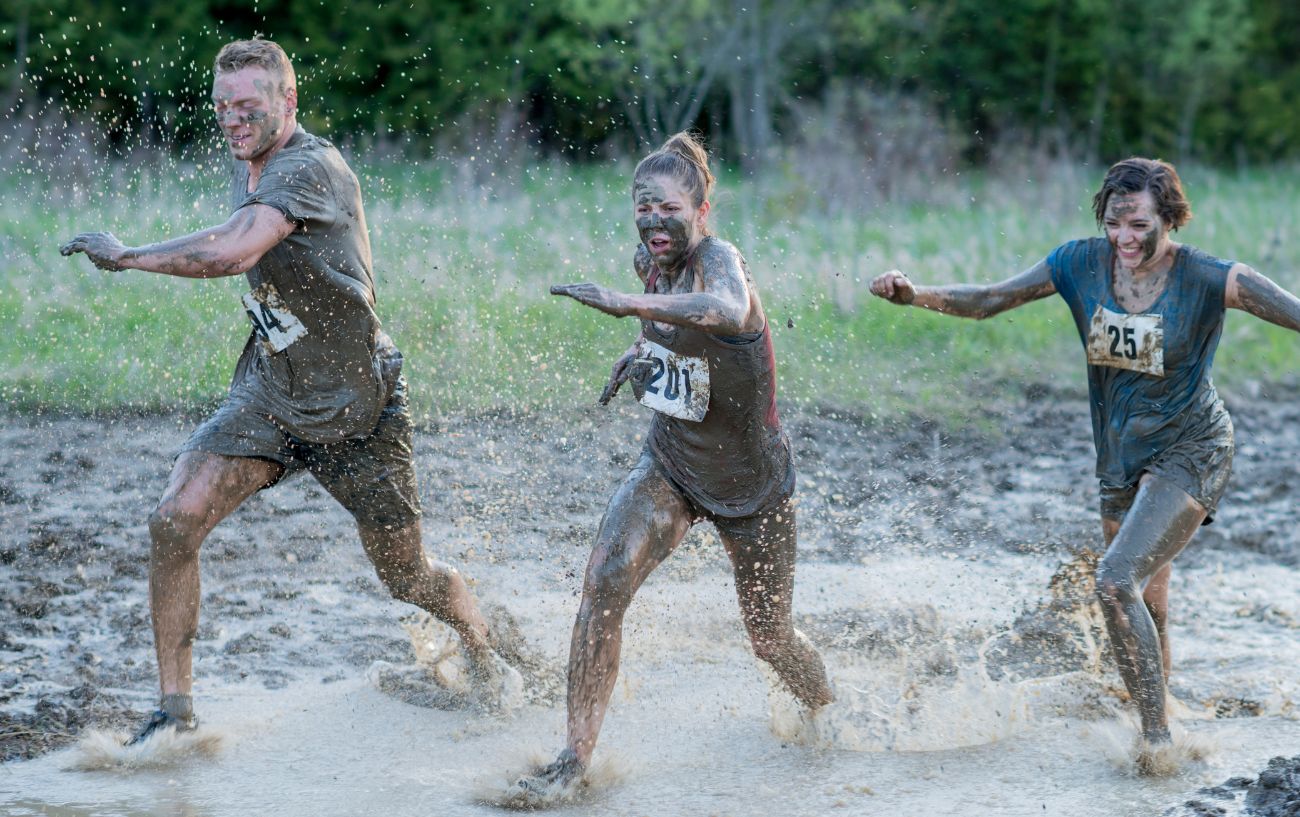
(667, 223)
(251, 112)
(1138, 235)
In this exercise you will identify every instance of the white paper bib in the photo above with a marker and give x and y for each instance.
(275, 325)
(1124, 341)
(678, 385)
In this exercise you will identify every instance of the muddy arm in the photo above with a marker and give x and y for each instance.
(227, 249)
(1252, 292)
(976, 301)
(722, 308)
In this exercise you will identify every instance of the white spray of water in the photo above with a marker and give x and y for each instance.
(103, 750)
(501, 789)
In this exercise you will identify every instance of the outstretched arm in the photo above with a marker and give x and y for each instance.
(968, 300)
(1251, 292)
(228, 249)
(723, 308)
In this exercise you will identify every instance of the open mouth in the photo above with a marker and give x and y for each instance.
(660, 244)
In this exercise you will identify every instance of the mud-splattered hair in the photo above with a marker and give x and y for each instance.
(683, 158)
(259, 53)
(1136, 174)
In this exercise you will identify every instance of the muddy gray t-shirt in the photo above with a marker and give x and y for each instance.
(1148, 373)
(317, 361)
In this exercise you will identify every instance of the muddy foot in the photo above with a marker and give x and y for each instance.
(556, 783)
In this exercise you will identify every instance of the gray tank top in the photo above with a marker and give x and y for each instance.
(736, 461)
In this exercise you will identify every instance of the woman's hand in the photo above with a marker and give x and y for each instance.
(597, 297)
(894, 287)
(620, 373)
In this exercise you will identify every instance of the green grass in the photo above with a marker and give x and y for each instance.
(464, 256)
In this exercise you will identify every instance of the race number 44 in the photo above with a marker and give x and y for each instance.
(676, 385)
(1125, 341)
(274, 324)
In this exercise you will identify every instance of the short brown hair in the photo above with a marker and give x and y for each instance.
(1135, 174)
(684, 158)
(259, 53)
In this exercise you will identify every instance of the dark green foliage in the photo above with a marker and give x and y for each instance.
(1214, 80)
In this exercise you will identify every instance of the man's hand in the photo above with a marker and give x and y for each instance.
(596, 296)
(103, 249)
(894, 287)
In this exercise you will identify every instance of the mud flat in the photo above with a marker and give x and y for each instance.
(945, 575)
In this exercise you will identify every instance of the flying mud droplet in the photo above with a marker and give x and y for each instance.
(104, 750)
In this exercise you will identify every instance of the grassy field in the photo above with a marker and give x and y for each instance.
(464, 260)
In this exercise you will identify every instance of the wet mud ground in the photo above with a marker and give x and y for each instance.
(514, 499)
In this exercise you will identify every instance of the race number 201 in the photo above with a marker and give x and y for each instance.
(676, 385)
(1125, 341)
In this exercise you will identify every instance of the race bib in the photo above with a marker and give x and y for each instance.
(1124, 341)
(275, 325)
(676, 385)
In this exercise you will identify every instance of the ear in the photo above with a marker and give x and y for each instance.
(291, 101)
(702, 214)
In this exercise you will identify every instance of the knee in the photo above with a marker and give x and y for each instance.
(174, 531)
(1116, 585)
(607, 592)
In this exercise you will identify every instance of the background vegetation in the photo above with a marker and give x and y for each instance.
(955, 139)
(1214, 80)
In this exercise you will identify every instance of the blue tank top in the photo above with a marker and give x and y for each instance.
(1148, 373)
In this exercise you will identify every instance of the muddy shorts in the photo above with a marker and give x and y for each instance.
(372, 477)
(1199, 465)
(771, 529)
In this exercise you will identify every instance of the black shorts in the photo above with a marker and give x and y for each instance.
(373, 477)
(1200, 466)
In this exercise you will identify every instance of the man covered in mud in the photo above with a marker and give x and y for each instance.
(1149, 312)
(715, 451)
(318, 386)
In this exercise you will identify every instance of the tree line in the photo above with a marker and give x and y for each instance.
(1209, 80)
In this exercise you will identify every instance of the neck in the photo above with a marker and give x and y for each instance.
(671, 273)
(256, 164)
(1159, 263)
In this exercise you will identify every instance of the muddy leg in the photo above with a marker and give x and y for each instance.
(645, 520)
(762, 555)
(203, 489)
(1160, 523)
(412, 577)
(1156, 597)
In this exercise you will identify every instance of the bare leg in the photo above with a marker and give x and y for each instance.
(203, 489)
(1159, 525)
(399, 559)
(645, 520)
(762, 555)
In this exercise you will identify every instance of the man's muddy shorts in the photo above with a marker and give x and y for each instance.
(1200, 466)
(372, 477)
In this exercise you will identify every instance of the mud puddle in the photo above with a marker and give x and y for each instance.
(943, 575)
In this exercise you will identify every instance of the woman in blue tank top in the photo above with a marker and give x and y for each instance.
(1149, 312)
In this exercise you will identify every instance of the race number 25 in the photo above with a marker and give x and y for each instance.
(1122, 340)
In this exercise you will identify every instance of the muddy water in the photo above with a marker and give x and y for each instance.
(971, 680)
